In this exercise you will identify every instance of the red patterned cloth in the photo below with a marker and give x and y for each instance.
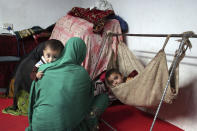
(69, 26)
(133, 74)
(7, 70)
(95, 16)
(10, 46)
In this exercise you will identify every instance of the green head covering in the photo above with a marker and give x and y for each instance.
(62, 98)
(73, 53)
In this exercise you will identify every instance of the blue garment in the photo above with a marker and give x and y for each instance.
(123, 23)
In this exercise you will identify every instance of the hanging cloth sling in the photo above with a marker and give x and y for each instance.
(147, 87)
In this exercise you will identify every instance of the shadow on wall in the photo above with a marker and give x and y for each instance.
(183, 106)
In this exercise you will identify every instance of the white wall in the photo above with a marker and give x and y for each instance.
(165, 17)
(153, 16)
(25, 14)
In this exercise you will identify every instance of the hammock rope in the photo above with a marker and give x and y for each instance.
(166, 41)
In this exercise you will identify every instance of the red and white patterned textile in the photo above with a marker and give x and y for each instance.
(70, 26)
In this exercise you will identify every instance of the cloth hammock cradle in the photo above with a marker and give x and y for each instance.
(147, 87)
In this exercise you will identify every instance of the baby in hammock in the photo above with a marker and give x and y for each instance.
(52, 50)
(113, 77)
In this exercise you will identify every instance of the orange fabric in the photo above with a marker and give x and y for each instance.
(11, 88)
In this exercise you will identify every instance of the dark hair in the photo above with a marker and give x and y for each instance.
(54, 45)
(109, 72)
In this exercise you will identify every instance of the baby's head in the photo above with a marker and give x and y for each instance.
(113, 77)
(52, 50)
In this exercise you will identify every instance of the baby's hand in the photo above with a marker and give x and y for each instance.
(39, 75)
(128, 78)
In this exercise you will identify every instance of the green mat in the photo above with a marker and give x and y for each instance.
(23, 101)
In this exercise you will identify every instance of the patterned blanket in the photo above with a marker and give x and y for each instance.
(99, 47)
(95, 16)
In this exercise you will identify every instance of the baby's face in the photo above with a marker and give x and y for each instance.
(115, 79)
(50, 55)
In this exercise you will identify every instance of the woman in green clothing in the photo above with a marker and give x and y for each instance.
(63, 99)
